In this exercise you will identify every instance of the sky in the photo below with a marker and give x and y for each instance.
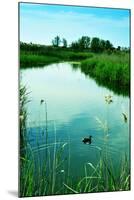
(40, 23)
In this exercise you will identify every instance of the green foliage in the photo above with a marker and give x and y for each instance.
(111, 70)
(95, 45)
(50, 55)
(98, 45)
(64, 41)
(108, 45)
(82, 43)
(32, 60)
(56, 41)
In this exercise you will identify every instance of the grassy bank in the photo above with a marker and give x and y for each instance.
(112, 71)
(35, 59)
(31, 60)
(108, 67)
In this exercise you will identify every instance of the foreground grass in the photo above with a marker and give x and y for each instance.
(23, 113)
(47, 178)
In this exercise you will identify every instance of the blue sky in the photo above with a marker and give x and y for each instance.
(40, 23)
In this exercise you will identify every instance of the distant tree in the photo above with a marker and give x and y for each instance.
(64, 41)
(118, 48)
(128, 49)
(102, 45)
(84, 42)
(95, 45)
(108, 45)
(125, 49)
(74, 45)
(56, 41)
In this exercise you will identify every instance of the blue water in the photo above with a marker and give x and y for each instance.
(76, 108)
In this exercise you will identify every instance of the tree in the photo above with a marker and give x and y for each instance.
(56, 41)
(64, 41)
(118, 48)
(84, 42)
(98, 45)
(75, 45)
(95, 45)
(108, 45)
(102, 45)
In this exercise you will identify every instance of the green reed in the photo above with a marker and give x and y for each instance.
(38, 177)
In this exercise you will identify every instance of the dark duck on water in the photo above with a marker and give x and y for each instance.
(87, 140)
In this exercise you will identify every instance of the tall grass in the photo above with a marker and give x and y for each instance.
(110, 70)
(32, 59)
(23, 94)
(37, 175)
(102, 177)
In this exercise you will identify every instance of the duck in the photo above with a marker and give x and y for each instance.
(41, 101)
(87, 140)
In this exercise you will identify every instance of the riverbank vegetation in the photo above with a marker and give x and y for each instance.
(111, 71)
(50, 55)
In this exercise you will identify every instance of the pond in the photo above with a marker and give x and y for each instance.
(65, 107)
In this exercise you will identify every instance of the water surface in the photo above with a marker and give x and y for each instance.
(75, 105)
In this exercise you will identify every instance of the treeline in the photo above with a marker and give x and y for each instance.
(94, 44)
(84, 43)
